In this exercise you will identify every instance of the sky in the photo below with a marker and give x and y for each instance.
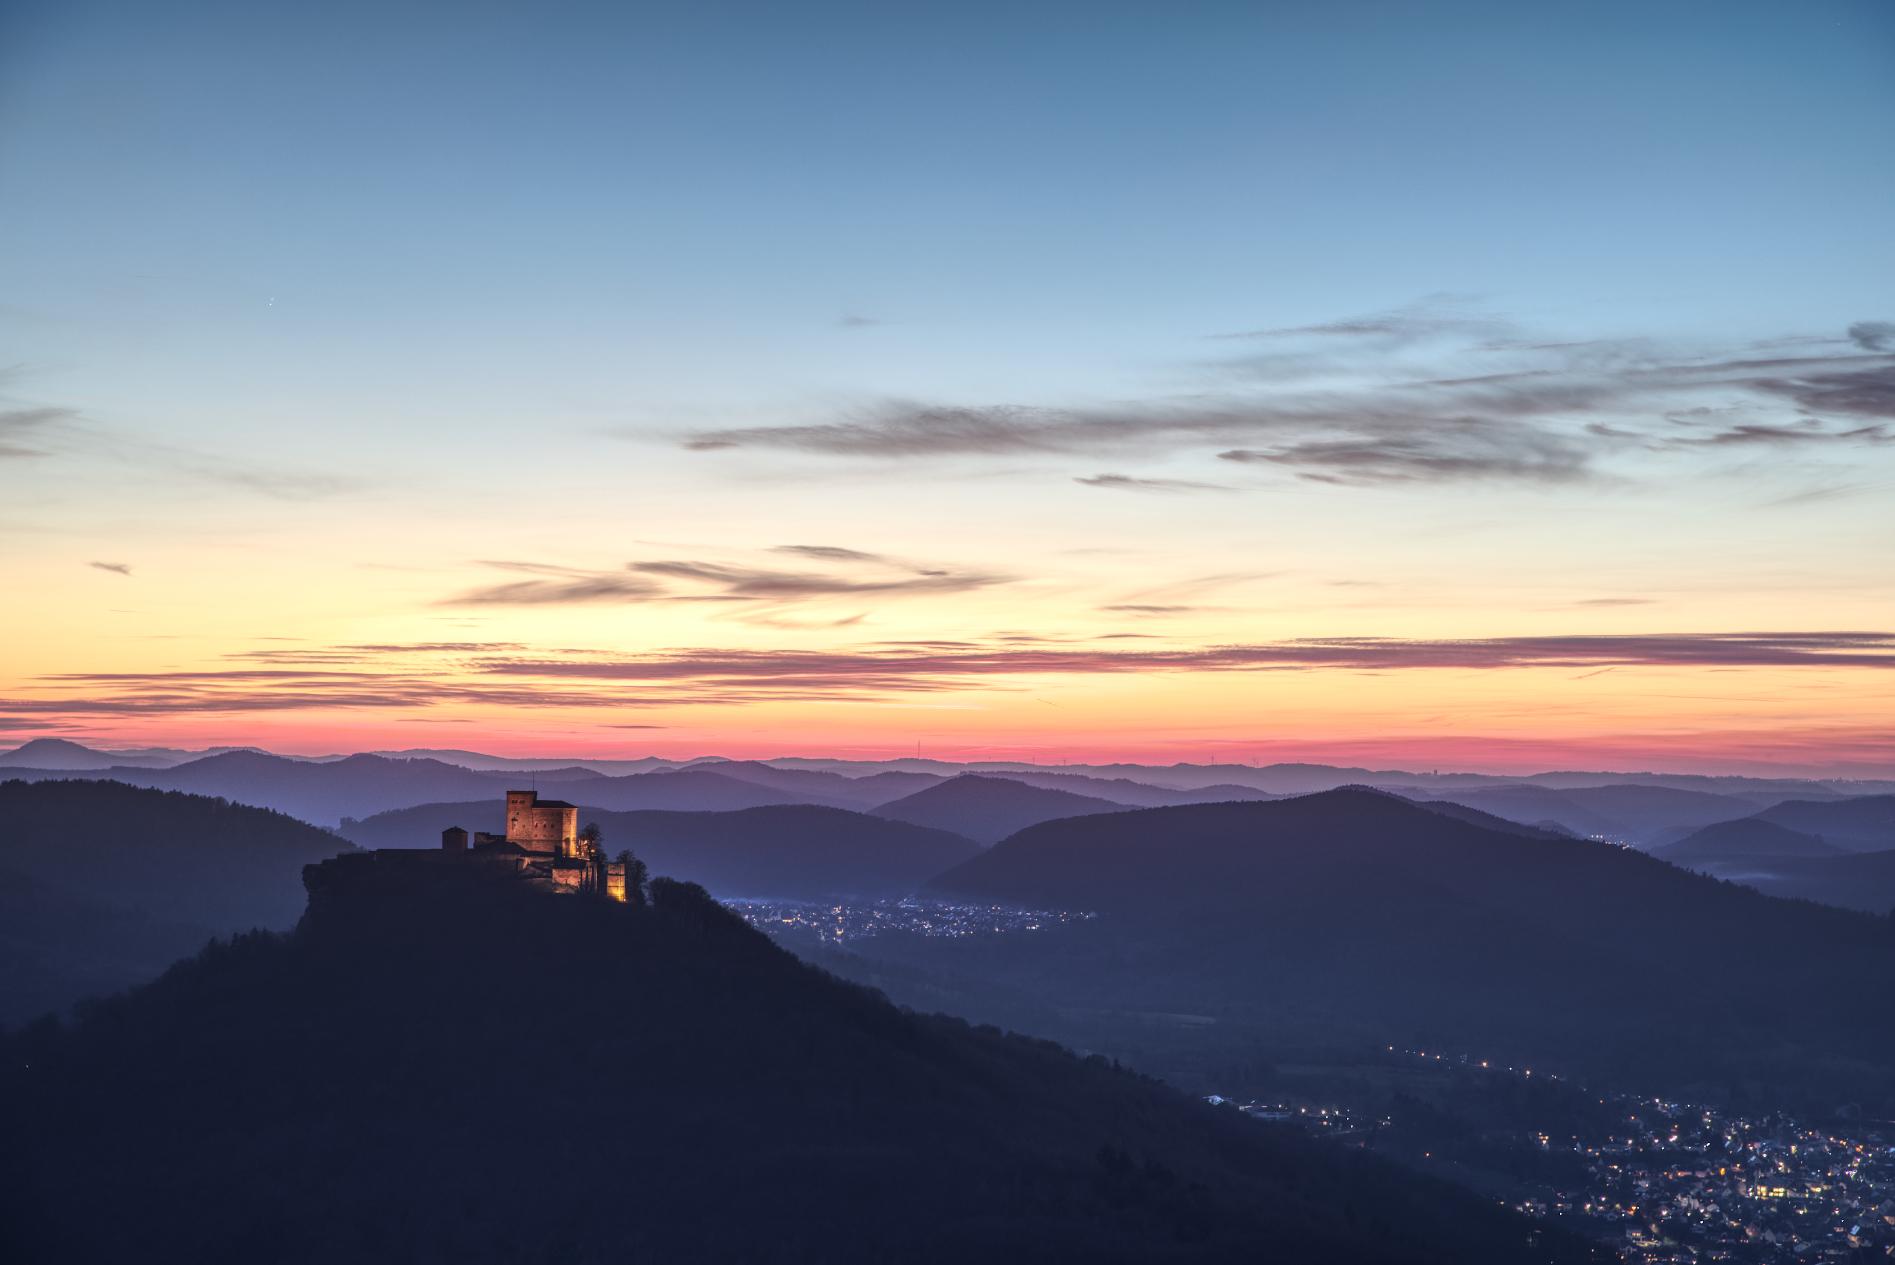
(1486, 386)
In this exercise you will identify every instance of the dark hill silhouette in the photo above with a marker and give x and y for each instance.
(785, 851)
(1628, 812)
(479, 1074)
(363, 785)
(1352, 916)
(421, 826)
(687, 790)
(821, 787)
(881, 788)
(1746, 837)
(988, 809)
(1866, 824)
(68, 756)
(1853, 880)
(564, 774)
(1123, 790)
(1487, 821)
(56, 948)
(322, 793)
(188, 858)
(788, 851)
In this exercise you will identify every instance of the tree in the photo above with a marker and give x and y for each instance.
(636, 876)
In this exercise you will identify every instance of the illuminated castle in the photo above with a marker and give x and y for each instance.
(543, 837)
(543, 846)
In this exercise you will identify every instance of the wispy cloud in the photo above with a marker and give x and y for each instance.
(18, 427)
(278, 484)
(558, 586)
(120, 568)
(1873, 335)
(1126, 483)
(55, 432)
(867, 575)
(829, 553)
(1416, 396)
(437, 674)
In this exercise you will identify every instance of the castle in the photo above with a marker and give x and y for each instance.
(543, 845)
(543, 839)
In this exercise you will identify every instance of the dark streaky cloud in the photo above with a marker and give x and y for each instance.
(1542, 413)
(17, 424)
(642, 581)
(1126, 483)
(406, 677)
(1873, 335)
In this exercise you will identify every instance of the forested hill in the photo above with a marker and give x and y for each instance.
(191, 858)
(1353, 916)
(470, 1073)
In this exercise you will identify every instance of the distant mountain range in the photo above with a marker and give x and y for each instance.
(1274, 779)
(60, 753)
(363, 785)
(460, 1073)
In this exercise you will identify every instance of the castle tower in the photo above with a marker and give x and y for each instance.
(547, 827)
(453, 839)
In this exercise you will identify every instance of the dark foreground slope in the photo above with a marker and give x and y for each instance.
(463, 1072)
(187, 858)
(781, 851)
(1351, 917)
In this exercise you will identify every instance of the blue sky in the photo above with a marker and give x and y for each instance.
(1047, 199)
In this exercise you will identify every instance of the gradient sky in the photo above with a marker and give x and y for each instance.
(1485, 386)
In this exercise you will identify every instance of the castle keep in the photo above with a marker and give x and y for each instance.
(542, 846)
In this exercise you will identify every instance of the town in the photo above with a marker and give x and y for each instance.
(1679, 1182)
(839, 924)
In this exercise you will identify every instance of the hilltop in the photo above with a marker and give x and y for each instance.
(192, 858)
(454, 1070)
